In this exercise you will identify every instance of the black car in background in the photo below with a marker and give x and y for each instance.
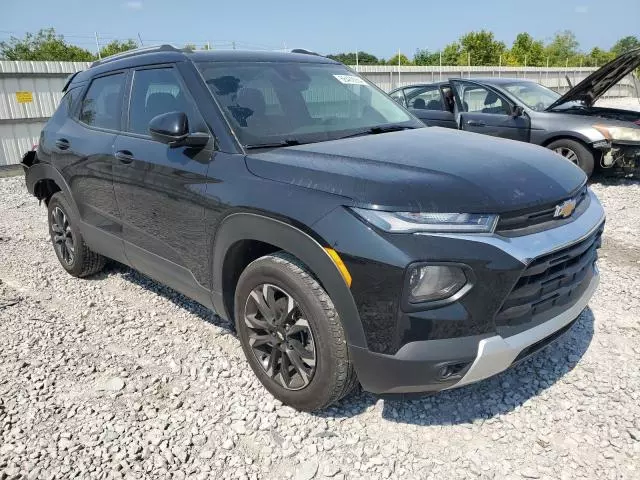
(525, 110)
(348, 242)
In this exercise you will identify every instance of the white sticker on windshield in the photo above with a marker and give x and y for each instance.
(350, 80)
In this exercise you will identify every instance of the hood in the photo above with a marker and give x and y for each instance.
(426, 169)
(596, 84)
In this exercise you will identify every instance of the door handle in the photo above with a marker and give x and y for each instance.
(476, 123)
(125, 156)
(62, 144)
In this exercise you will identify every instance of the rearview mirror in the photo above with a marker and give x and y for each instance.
(172, 128)
(517, 111)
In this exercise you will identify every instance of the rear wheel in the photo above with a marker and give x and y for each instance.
(291, 333)
(575, 152)
(74, 256)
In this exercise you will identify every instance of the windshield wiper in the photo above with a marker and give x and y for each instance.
(289, 142)
(379, 129)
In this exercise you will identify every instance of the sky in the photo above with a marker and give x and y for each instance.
(325, 26)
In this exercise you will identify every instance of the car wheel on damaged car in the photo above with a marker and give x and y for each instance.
(367, 249)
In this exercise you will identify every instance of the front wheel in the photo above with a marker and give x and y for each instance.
(291, 333)
(575, 152)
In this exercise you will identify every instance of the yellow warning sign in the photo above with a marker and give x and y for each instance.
(24, 97)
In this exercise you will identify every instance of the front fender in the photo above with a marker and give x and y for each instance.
(250, 226)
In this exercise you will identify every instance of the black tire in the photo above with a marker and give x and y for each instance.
(584, 157)
(334, 376)
(80, 261)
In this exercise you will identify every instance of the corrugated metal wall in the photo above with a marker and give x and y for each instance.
(20, 123)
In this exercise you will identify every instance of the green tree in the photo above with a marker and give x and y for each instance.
(44, 45)
(527, 50)
(625, 44)
(425, 57)
(404, 60)
(190, 47)
(117, 46)
(452, 54)
(563, 47)
(349, 58)
(482, 47)
(597, 57)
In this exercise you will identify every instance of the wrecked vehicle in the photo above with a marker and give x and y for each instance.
(519, 109)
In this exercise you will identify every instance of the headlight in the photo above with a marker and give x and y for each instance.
(408, 222)
(628, 134)
(435, 282)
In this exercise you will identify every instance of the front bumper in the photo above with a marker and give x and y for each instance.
(444, 363)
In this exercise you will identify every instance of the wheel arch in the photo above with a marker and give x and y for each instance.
(575, 136)
(244, 237)
(43, 180)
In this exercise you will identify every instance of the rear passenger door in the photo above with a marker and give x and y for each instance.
(82, 143)
(426, 103)
(159, 188)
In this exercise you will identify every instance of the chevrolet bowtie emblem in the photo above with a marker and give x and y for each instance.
(565, 209)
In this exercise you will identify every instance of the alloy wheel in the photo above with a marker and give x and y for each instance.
(63, 240)
(567, 153)
(280, 336)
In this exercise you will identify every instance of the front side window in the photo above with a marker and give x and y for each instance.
(101, 106)
(271, 102)
(477, 99)
(155, 92)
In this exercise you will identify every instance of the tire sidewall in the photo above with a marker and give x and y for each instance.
(586, 160)
(58, 200)
(266, 271)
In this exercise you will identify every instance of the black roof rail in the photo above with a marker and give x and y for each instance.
(137, 51)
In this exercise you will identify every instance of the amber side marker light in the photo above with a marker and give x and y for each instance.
(340, 264)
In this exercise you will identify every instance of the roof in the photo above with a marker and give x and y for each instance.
(487, 80)
(169, 54)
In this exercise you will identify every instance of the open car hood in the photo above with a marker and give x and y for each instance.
(596, 84)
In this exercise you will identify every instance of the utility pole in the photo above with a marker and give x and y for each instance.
(98, 46)
(500, 67)
(233, 45)
(140, 38)
(356, 59)
(399, 54)
(440, 65)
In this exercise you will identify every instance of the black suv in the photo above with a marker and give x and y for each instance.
(349, 242)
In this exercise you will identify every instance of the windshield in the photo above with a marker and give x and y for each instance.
(271, 103)
(532, 94)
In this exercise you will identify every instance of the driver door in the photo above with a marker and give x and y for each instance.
(484, 110)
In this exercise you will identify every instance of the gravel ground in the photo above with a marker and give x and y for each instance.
(116, 376)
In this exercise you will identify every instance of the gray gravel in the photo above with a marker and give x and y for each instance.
(118, 377)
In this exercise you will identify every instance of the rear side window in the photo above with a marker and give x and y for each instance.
(157, 91)
(101, 106)
(62, 112)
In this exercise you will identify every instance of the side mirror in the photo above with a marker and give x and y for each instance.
(172, 128)
(517, 111)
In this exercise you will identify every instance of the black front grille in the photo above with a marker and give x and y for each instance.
(554, 280)
(540, 218)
